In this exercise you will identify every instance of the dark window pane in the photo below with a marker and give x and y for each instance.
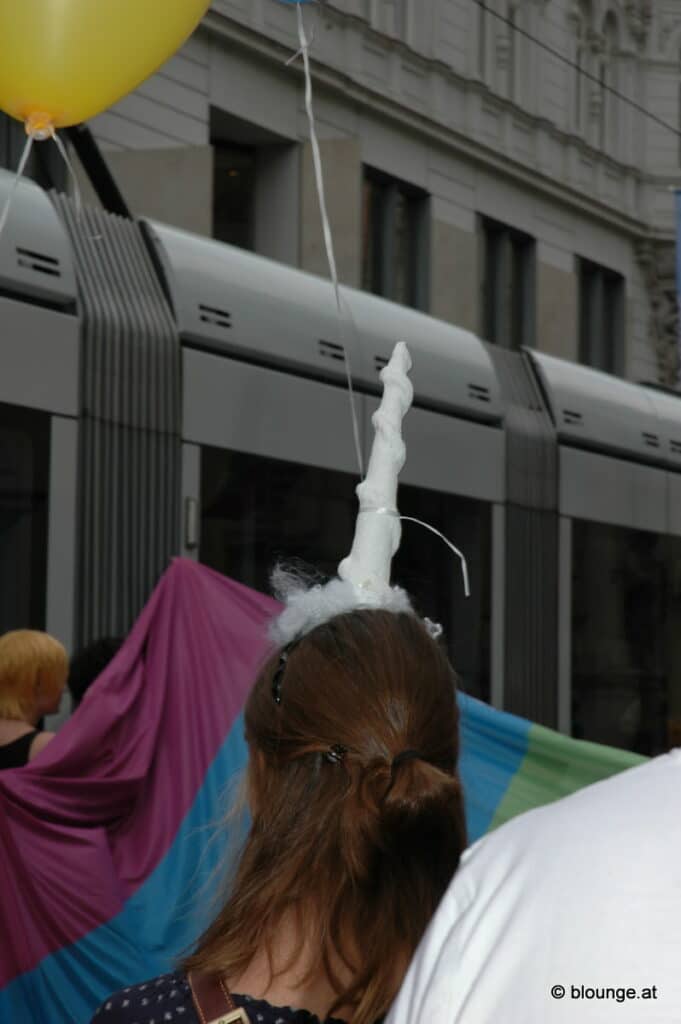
(508, 286)
(432, 575)
(491, 284)
(234, 195)
(372, 237)
(403, 241)
(395, 240)
(24, 472)
(255, 511)
(626, 621)
(601, 316)
(613, 287)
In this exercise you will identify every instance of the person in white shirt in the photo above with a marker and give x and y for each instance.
(569, 913)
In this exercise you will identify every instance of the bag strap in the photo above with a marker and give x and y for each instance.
(214, 1004)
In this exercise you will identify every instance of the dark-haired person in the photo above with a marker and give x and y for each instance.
(33, 668)
(357, 828)
(357, 811)
(88, 663)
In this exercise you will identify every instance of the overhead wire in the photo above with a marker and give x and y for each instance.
(573, 64)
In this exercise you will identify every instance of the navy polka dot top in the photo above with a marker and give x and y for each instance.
(168, 1000)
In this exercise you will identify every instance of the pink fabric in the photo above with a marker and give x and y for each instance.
(84, 825)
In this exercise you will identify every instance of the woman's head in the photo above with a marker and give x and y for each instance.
(33, 670)
(358, 819)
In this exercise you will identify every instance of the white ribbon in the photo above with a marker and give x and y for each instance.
(52, 134)
(304, 52)
(20, 170)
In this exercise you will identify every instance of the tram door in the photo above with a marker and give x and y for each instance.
(621, 604)
(24, 479)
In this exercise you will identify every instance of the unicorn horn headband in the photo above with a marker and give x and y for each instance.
(378, 529)
(364, 576)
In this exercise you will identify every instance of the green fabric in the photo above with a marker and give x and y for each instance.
(555, 766)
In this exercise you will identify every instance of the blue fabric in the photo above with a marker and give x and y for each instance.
(493, 747)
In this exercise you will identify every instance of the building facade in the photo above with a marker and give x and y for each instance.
(488, 161)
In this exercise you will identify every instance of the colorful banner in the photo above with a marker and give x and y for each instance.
(111, 844)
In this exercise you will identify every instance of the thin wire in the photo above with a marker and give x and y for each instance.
(459, 554)
(582, 71)
(17, 177)
(328, 237)
(394, 514)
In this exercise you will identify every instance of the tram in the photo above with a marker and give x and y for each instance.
(162, 394)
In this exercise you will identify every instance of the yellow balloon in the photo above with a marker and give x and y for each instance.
(63, 61)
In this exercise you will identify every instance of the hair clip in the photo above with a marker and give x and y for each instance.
(336, 754)
(434, 628)
(278, 677)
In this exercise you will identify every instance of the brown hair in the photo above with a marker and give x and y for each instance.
(33, 666)
(360, 851)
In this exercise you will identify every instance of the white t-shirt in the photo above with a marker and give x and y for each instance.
(569, 914)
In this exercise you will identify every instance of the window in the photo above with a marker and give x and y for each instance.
(234, 194)
(508, 285)
(601, 317)
(626, 621)
(24, 473)
(256, 510)
(395, 240)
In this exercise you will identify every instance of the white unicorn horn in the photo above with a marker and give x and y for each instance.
(378, 529)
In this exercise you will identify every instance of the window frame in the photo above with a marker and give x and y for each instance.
(607, 287)
(379, 229)
(508, 267)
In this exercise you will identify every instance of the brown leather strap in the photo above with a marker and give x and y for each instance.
(213, 1002)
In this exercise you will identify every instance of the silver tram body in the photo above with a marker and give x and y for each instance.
(165, 394)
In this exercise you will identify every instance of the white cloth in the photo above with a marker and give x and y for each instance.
(585, 892)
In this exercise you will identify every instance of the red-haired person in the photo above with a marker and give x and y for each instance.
(357, 828)
(33, 670)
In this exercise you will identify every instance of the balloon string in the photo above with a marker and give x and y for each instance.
(326, 227)
(12, 192)
(74, 179)
(31, 138)
(419, 522)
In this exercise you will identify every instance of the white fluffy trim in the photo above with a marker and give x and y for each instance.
(307, 607)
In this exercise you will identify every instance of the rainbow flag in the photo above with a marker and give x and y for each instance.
(509, 765)
(111, 842)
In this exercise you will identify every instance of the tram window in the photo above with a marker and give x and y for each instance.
(256, 510)
(24, 472)
(432, 575)
(626, 630)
